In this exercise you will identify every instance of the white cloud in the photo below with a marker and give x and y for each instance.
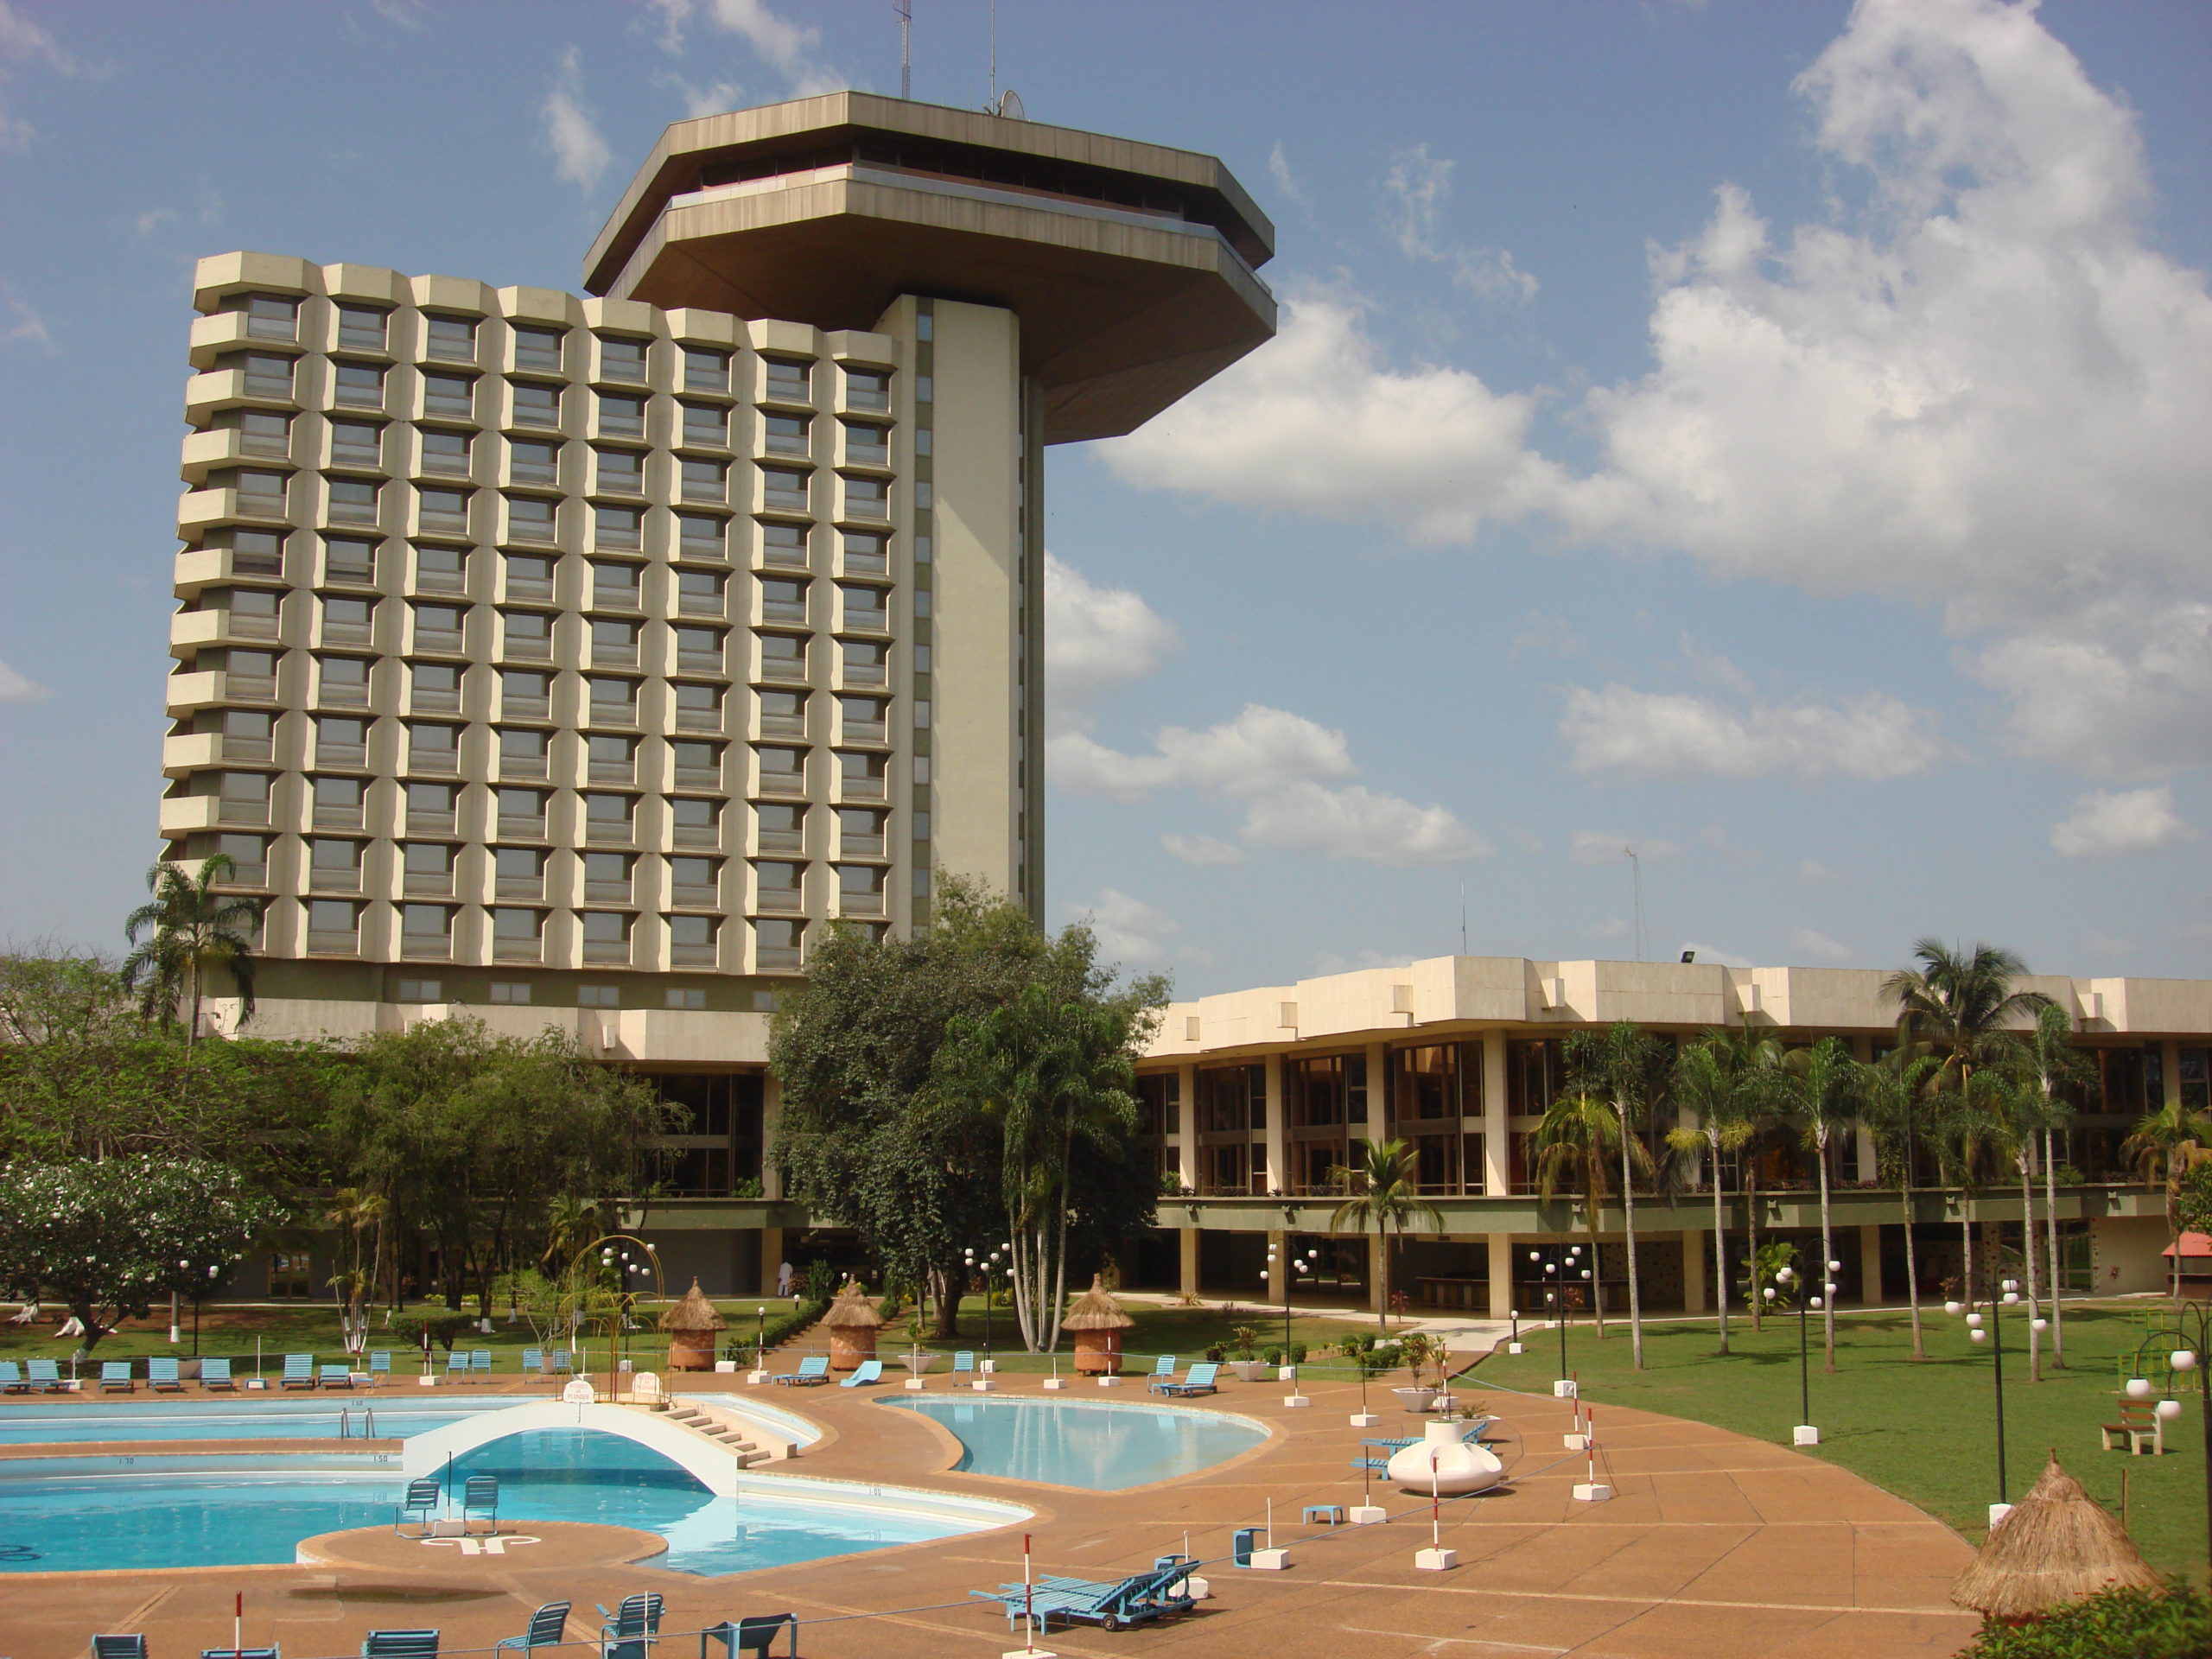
(1276, 763)
(1972, 384)
(1414, 194)
(1813, 873)
(1661, 735)
(2106, 824)
(411, 15)
(783, 45)
(580, 154)
(1202, 850)
(1286, 181)
(1097, 639)
(1129, 930)
(1335, 962)
(1541, 632)
(1819, 946)
(1716, 836)
(1314, 423)
(1603, 847)
(21, 322)
(26, 44)
(718, 98)
(14, 688)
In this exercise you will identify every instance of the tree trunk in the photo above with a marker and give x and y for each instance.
(2028, 1253)
(1628, 1222)
(945, 1305)
(1597, 1264)
(1383, 1289)
(1966, 1242)
(2050, 1224)
(1828, 1254)
(1912, 1258)
(1719, 1244)
(1751, 1232)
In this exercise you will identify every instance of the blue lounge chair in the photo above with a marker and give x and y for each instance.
(299, 1372)
(45, 1375)
(631, 1629)
(1164, 1366)
(480, 1359)
(533, 1362)
(564, 1362)
(116, 1374)
(379, 1367)
(216, 1374)
(964, 1361)
(400, 1644)
(1112, 1603)
(457, 1362)
(11, 1378)
(815, 1368)
(272, 1651)
(160, 1376)
(419, 1507)
(337, 1374)
(118, 1647)
(869, 1370)
(547, 1625)
(479, 1501)
(1199, 1379)
(755, 1633)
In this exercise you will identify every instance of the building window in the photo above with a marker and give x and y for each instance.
(436, 688)
(446, 509)
(345, 558)
(618, 529)
(698, 766)
(612, 760)
(783, 545)
(529, 635)
(608, 817)
(701, 536)
(420, 990)
(345, 680)
(529, 578)
(254, 552)
(449, 394)
(437, 627)
(353, 501)
(785, 488)
(265, 375)
(622, 359)
(692, 1000)
(786, 434)
(705, 370)
(706, 426)
(452, 338)
(356, 443)
(361, 327)
(535, 403)
(700, 593)
(605, 936)
(445, 452)
(599, 996)
(864, 606)
(516, 936)
(779, 945)
(248, 856)
(868, 388)
(522, 752)
(613, 643)
(431, 808)
(621, 416)
(433, 747)
(525, 694)
(694, 822)
(791, 381)
(695, 882)
(537, 348)
(510, 991)
(613, 702)
(357, 385)
(779, 827)
(517, 872)
(706, 480)
(783, 656)
(332, 925)
(522, 814)
(333, 866)
(692, 941)
(865, 662)
(866, 553)
(530, 462)
(699, 651)
(867, 497)
(620, 471)
(867, 443)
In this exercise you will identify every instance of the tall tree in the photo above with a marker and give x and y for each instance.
(1575, 1140)
(1055, 1075)
(2058, 1069)
(1624, 1064)
(1383, 1195)
(2043, 1068)
(1958, 1006)
(1889, 1101)
(2165, 1146)
(1725, 1078)
(191, 930)
(1822, 1096)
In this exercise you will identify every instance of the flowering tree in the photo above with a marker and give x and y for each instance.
(106, 1237)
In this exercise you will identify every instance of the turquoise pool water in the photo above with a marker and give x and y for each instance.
(1104, 1447)
(42, 1421)
(238, 1514)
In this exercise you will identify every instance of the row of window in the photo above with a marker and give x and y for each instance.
(336, 864)
(438, 509)
(452, 451)
(254, 612)
(518, 933)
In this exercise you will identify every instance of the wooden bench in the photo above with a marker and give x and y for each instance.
(2139, 1422)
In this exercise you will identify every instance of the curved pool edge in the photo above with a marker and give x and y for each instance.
(1268, 1435)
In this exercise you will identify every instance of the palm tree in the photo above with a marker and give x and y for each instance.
(1574, 1140)
(2166, 1145)
(1823, 1094)
(190, 929)
(1724, 1077)
(2057, 1068)
(356, 1211)
(1384, 1193)
(1622, 1063)
(1889, 1090)
(1956, 1006)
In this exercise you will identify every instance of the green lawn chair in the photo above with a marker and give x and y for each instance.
(338, 1375)
(118, 1647)
(1164, 1366)
(479, 1501)
(419, 1507)
(11, 1378)
(815, 1368)
(1199, 1379)
(533, 1364)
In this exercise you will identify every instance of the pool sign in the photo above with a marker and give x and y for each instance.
(578, 1393)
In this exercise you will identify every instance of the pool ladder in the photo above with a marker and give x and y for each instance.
(346, 1422)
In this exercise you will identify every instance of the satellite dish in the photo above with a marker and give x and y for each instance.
(1010, 106)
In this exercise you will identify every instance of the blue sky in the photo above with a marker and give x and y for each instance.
(1770, 438)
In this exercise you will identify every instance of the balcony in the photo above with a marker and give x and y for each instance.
(428, 946)
(350, 393)
(869, 507)
(707, 835)
(608, 893)
(867, 454)
(521, 768)
(339, 815)
(514, 827)
(536, 414)
(231, 810)
(531, 887)
(431, 883)
(443, 463)
(712, 492)
(521, 471)
(184, 753)
(180, 813)
(788, 383)
(510, 949)
(852, 846)
(443, 641)
(782, 782)
(613, 772)
(516, 705)
(433, 578)
(528, 648)
(866, 562)
(197, 509)
(688, 602)
(337, 633)
(781, 901)
(528, 588)
(613, 653)
(609, 832)
(431, 821)
(867, 674)
(860, 787)
(608, 595)
(781, 557)
(523, 527)
(783, 500)
(616, 422)
(434, 700)
(776, 958)
(781, 841)
(331, 753)
(358, 337)
(617, 537)
(871, 393)
(335, 694)
(860, 618)
(438, 521)
(699, 661)
(861, 904)
(703, 549)
(453, 406)
(330, 942)
(698, 777)
(613, 714)
(691, 955)
(608, 953)
(783, 725)
(434, 763)
(334, 878)
(698, 719)
(206, 567)
(687, 896)
(863, 731)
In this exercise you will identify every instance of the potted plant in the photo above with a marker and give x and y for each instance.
(1243, 1356)
(1416, 1350)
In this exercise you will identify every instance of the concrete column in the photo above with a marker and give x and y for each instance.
(1278, 1268)
(1277, 1131)
(1378, 1094)
(1500, 1272)
(1870, 1263)
(772, 1257)
(772, 1119)
(1375, 1273)
(1694, 1269)
(1497, 1175)
(1186, 1238)
(1186, 1118)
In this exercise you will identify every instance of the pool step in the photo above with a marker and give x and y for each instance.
(700, 1423)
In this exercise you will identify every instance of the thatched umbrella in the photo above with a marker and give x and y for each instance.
(691, 1324)
(853, 1322)
(1097, 1322)
(2057, 1545)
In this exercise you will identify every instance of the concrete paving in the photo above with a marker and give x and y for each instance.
(1715, 1545)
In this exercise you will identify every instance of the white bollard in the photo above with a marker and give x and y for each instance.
(1271, 1560)
(1056, 1384)
(1436, 1560)
(1997, 1514)
(916, 1385)
(1109, 1382)
(1804, 1434)
(1564, 1389)
(1367, 1514)
(1295, 1400)
(1365, 1420)
(1591, 1492)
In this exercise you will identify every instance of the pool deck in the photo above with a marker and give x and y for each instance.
(1715, 1545)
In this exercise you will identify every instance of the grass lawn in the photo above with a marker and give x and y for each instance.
(1926, 1430)
(1186, 1333)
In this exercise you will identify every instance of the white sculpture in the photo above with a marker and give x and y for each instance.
(1444, 1461)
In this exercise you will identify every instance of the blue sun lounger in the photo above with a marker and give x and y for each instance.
(1111, 1604)
(815, 1368)
(299, 1372)
(161, 1375)
(116, 1374)
(1199, 1379)
(1164, 1366)
(45, 1375)
(216, 1374)
(869, 1370)
(400, 1644)
(11, 1378)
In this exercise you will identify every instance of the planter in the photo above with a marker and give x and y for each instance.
(919, 1364)
(1416, 1399)
(1250, 1371)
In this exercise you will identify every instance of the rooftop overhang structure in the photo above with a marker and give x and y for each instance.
(1129, 265)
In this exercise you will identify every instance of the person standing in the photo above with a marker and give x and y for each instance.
(784, 1280)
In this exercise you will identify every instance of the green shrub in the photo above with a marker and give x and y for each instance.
(1217, 1354)
(820, 1282)
(444, 1328)
(2175, 1623)
(1274, 1354)
(776, 1332)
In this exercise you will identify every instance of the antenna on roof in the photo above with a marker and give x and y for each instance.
(1635, 873)
(995, 56)
(904, 9)
(1010, 106)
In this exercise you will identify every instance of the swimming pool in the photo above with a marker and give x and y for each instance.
(40, 1421)
(1103, 1446)
(77, 1515)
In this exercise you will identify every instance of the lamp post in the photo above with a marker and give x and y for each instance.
(2009, 1295)
(760, 1339)
(988, 1270)
(2186, 1360)
(1784, 1277)
(614, 1256)
(1556, 1270)
(1299, 1264)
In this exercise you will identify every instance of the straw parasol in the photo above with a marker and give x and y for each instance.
(691, 1324)
(1097, 1321)
(853, 1321)
(2057, 1545)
